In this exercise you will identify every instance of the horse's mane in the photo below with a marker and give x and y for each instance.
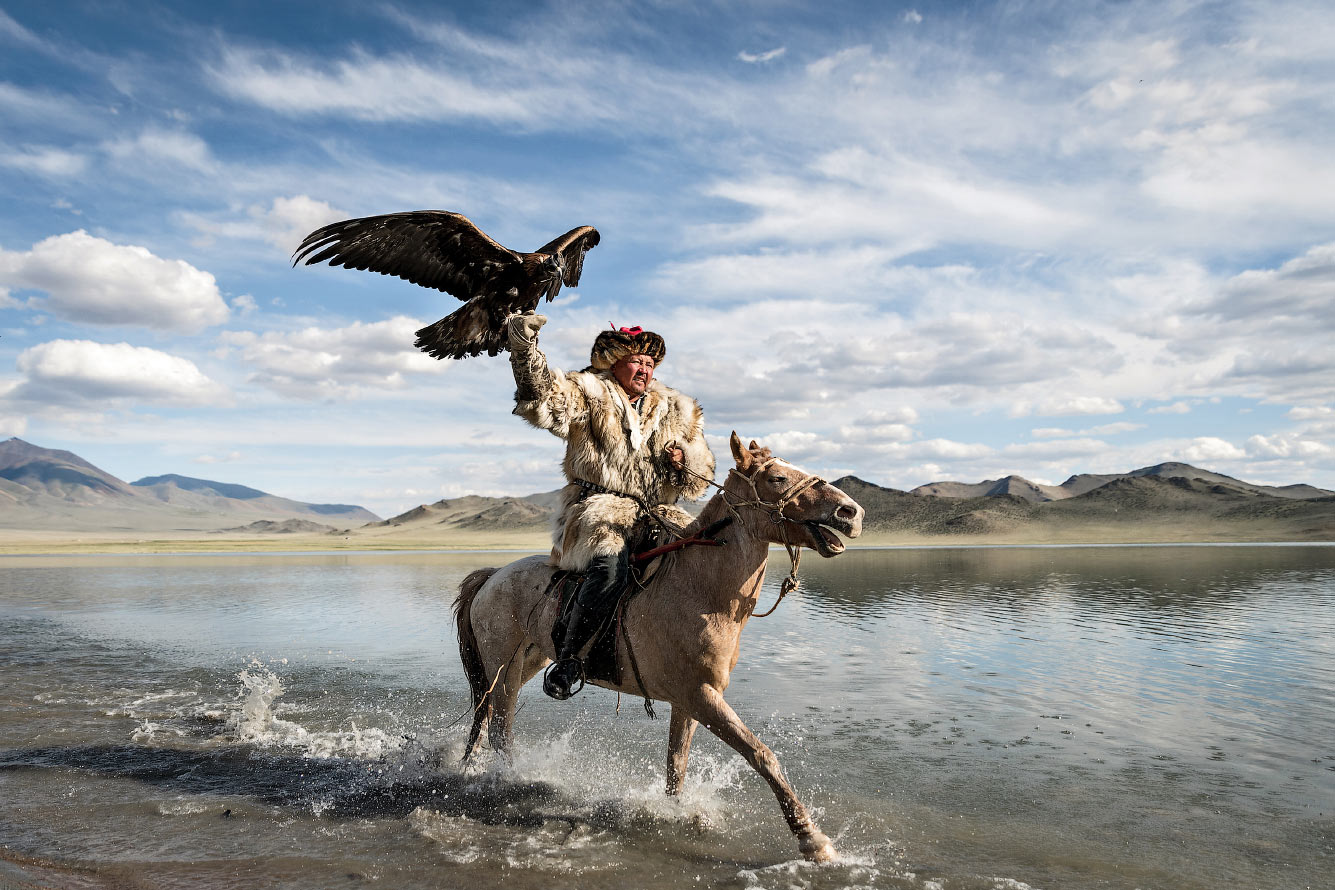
(760, 453)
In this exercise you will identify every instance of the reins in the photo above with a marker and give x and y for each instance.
(775, 509)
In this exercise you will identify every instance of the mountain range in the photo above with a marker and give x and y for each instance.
(48, 489)
(1020, 487)
(45, 489)
(1166, 502)
(1135, 506)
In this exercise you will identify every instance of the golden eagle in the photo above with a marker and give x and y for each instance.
(445, 251)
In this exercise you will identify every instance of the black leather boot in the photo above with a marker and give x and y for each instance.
(596, 595)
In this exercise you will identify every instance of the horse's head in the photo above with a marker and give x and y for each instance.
(802, 508)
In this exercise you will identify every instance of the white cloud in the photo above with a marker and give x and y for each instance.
(1106, 429)
(1301, 291)
(45, 160)
(1312, 412)
(16, 33)
(913, 17)
(383, 88)
(12, 424)
(902, 414)
(153, 147)
(334, 363)
(283, 222)
(1287, 445)
(1055, 448)
(884, 432)
(291, 219)
(1215, 170)
(92, 280)
(1112, 429)
(1180, 407)
(946, 449)
(1209, 448)
(229, 457)
(839, 271)
(1067, 405)
(82, 371)
(767, 56)
(862, 193)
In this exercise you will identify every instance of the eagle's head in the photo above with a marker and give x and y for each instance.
(552, 271)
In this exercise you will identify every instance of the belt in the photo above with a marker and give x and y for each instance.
(592, 488)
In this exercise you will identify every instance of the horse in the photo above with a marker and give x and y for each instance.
(680, 635)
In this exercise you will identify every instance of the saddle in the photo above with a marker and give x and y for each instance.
(600, 660)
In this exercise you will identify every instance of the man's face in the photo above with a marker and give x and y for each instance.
(634, 373)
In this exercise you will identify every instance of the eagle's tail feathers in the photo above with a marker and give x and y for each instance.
(467, 331)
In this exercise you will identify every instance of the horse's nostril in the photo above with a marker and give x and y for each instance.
(849, 513)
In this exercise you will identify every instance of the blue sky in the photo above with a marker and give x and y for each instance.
(909, 242)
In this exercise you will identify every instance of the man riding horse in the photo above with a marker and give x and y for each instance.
(633, 448)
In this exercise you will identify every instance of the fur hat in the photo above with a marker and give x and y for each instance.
(616, 344)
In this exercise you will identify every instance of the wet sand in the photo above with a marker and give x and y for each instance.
(21, 872)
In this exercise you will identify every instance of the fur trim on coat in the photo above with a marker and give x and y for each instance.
(611, 445)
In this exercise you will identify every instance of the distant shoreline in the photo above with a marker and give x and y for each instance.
(522, 541)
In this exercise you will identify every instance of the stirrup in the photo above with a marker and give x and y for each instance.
(561, 693)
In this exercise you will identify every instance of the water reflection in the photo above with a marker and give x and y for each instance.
(1065, 717)
(1179, 580)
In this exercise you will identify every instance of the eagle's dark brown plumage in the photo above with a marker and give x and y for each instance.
(445, 251)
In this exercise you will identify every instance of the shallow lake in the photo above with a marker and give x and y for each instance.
(1110, 717)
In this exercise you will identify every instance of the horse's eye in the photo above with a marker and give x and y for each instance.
(777, 480)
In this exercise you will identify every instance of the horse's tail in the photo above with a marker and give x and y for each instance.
(468, 651)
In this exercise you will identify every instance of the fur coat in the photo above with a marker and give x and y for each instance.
(611, 445)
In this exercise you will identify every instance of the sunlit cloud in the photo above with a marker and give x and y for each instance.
(86, 372)
(92, 280)
(766, 56)
(333, 363)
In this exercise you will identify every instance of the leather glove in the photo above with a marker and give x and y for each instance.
(523, 329)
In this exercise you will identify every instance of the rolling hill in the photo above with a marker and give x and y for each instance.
(1075, 486)
(48, 489)
(1138, 506)
(53, 492)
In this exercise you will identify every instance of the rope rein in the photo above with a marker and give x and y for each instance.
(775, 509)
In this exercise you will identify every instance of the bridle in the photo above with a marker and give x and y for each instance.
(775, 509)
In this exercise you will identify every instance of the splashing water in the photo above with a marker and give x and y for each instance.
(256, 722)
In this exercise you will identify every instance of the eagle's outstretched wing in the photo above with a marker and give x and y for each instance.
(433, 248)
(571, 248)
(445, 251)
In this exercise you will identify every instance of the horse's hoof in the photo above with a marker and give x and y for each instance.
(819, 849)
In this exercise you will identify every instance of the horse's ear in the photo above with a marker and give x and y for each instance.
(739, 454)
(754, 446)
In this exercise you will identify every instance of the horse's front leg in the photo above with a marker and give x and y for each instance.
(680, 732)
(719, 717)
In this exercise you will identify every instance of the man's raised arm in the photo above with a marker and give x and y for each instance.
(545, 399)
